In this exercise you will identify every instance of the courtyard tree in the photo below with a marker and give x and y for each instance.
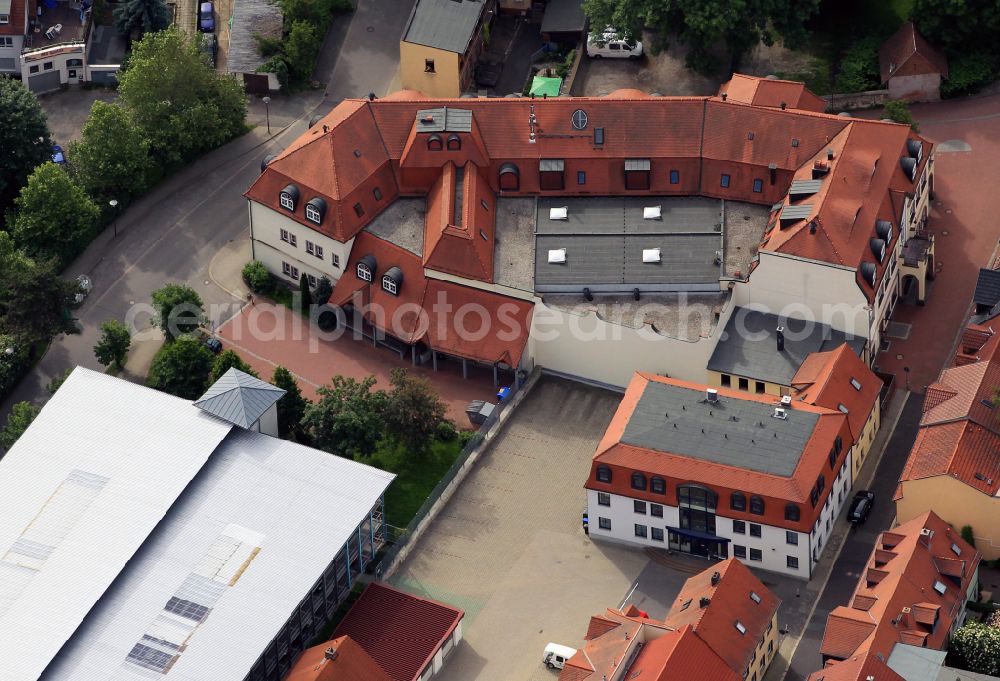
(413, 412)
(347, 419)
(139, 17)
(55, 217)
(181, 368)
(20, 417)
(111, 160)
(179, 103)
(966, 25)
(978, 646)
(227, 360)
(178, 310)
(113, 346)
(24, 138)
(34, 301)
(291, 407)
(324, 289)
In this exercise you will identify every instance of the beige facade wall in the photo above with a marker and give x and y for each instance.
(925, 87)
(859, 453)
(767, 650)
(265, 230)
(958, 505)
(443, 82)
(718, 380)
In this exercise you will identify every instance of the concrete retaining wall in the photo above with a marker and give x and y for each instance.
(849, 101)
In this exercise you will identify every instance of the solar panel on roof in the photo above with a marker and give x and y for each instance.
(804, 187)
(793, 213)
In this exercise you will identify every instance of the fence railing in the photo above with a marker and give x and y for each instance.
(399, 540)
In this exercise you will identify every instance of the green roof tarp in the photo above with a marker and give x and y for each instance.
(545, 86)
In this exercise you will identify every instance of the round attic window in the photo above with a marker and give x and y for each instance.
(579, 119)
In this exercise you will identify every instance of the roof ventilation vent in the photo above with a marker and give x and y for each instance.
(651, 213)
(651, 255)
(711, 395)
(557, 256)
(780, 413)
(786, 401)
(704, 601)
(926, 532)
(559, 213)
(724, 95)
(330, 654)
(829, 154)
(715, 578)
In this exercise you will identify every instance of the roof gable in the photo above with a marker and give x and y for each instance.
(239, 398)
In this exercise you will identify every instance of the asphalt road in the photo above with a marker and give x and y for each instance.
(172, 234)
(858, 547)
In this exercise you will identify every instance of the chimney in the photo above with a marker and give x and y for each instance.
(711, 395)
(372, 97)
(772, 169)
(325, 129)
(926, 534)
(780, 331)
(829, 154)
(724, 95)
(783, 105)
(704, 601)
(330, 654)
(715, 578)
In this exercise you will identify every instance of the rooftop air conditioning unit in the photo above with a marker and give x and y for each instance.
(651, 255)
(557, 256)
(926, 532)
(651, 213)
(780, 413)
(711, 395)
(786, 401)
(559, 213)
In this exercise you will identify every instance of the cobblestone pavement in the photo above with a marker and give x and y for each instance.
(509, 549)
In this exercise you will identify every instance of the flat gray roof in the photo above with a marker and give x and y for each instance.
(686, 316)
(444, 119)
(564, 16)
(402, 224)
(251, 18)
(514, 243)
(605, 237)
(444, 24)
(748, 345)
(733, 432)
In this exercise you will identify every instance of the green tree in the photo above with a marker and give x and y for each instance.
(291, 407)
(413, 412)
(53, 386)
(899, 111)
(24, 138)
(965, 25)
(256, 276)
(55, 218)
(705, 24)
(181, 368)
(324, 289)
(968, 536)
(179, 310)
(304, 292)
(301, 48)
(14, 361)
(142, 17)
(21, 416)
(227, 360)
(347, 419)
(978, 646)
(111, 160)
(114, 344)
(34, 301)
(181, 105)
(859, 69)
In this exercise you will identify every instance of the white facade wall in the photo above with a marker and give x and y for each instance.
(265, 231)
(69, 61)
(585, 345)
(10, 55)
(840, 494)
(806, 289)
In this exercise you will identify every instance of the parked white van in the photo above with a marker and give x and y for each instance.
(556, 655)
(613, 46)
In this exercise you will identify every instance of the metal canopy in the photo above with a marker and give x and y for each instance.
(636, 164)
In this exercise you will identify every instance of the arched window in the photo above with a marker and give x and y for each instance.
(738, 501)
(316, 210)
(288, 197)
(638, 481)
(696, 496)
(434, 143)
(603, 474)
(657, 485)
(756, 505)
(454, 142)
(510, 177)
(792, 512)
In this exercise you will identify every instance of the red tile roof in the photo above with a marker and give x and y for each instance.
(827, 379)
(857, 668)
(15, 26)
(459, 239)
(908, 53)
(675, 468)
(959, 432)
(400, 632)
(771, 92)
(350, 663)
(906, 564)
(729, 601)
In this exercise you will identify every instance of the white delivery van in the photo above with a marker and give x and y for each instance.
(612, 45)
(556, 655)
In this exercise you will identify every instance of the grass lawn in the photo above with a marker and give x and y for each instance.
(415, 477)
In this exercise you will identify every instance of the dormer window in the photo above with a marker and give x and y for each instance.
(315, 210)
(366, 268)
(637, 173)
(510, 179)
(392, 281)
(289, 197)
(454, 142)
(434, 143)
(868, 273)
(550, 173)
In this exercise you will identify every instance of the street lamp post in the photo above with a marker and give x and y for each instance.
(267, 112)
(114, 215)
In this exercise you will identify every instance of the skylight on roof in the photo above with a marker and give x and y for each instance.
(651, 255)
(740, 628)
(686, 605)
(956, 550)
(855, 383)
(940, 587)
(559, 213)
(557, 256)
(651, 213)
(755, 597)
(842, 407)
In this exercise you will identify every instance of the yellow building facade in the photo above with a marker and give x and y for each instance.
(434, 72)
(957, 504)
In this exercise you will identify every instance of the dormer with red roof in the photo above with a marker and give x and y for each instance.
(771, 92)
(911, 67)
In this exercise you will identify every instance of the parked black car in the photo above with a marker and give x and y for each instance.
(206, 17)
(860, 507)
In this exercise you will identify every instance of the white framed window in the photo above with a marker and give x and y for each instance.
(4, 18)
(312, 214)
(335, 260)
(309, 247)
(389, 285)
(293, 240)
(312, 280)
(287, 202)
(289, 270)
(6, 41)
(319, 251)
(284, 234)
(364, 273)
